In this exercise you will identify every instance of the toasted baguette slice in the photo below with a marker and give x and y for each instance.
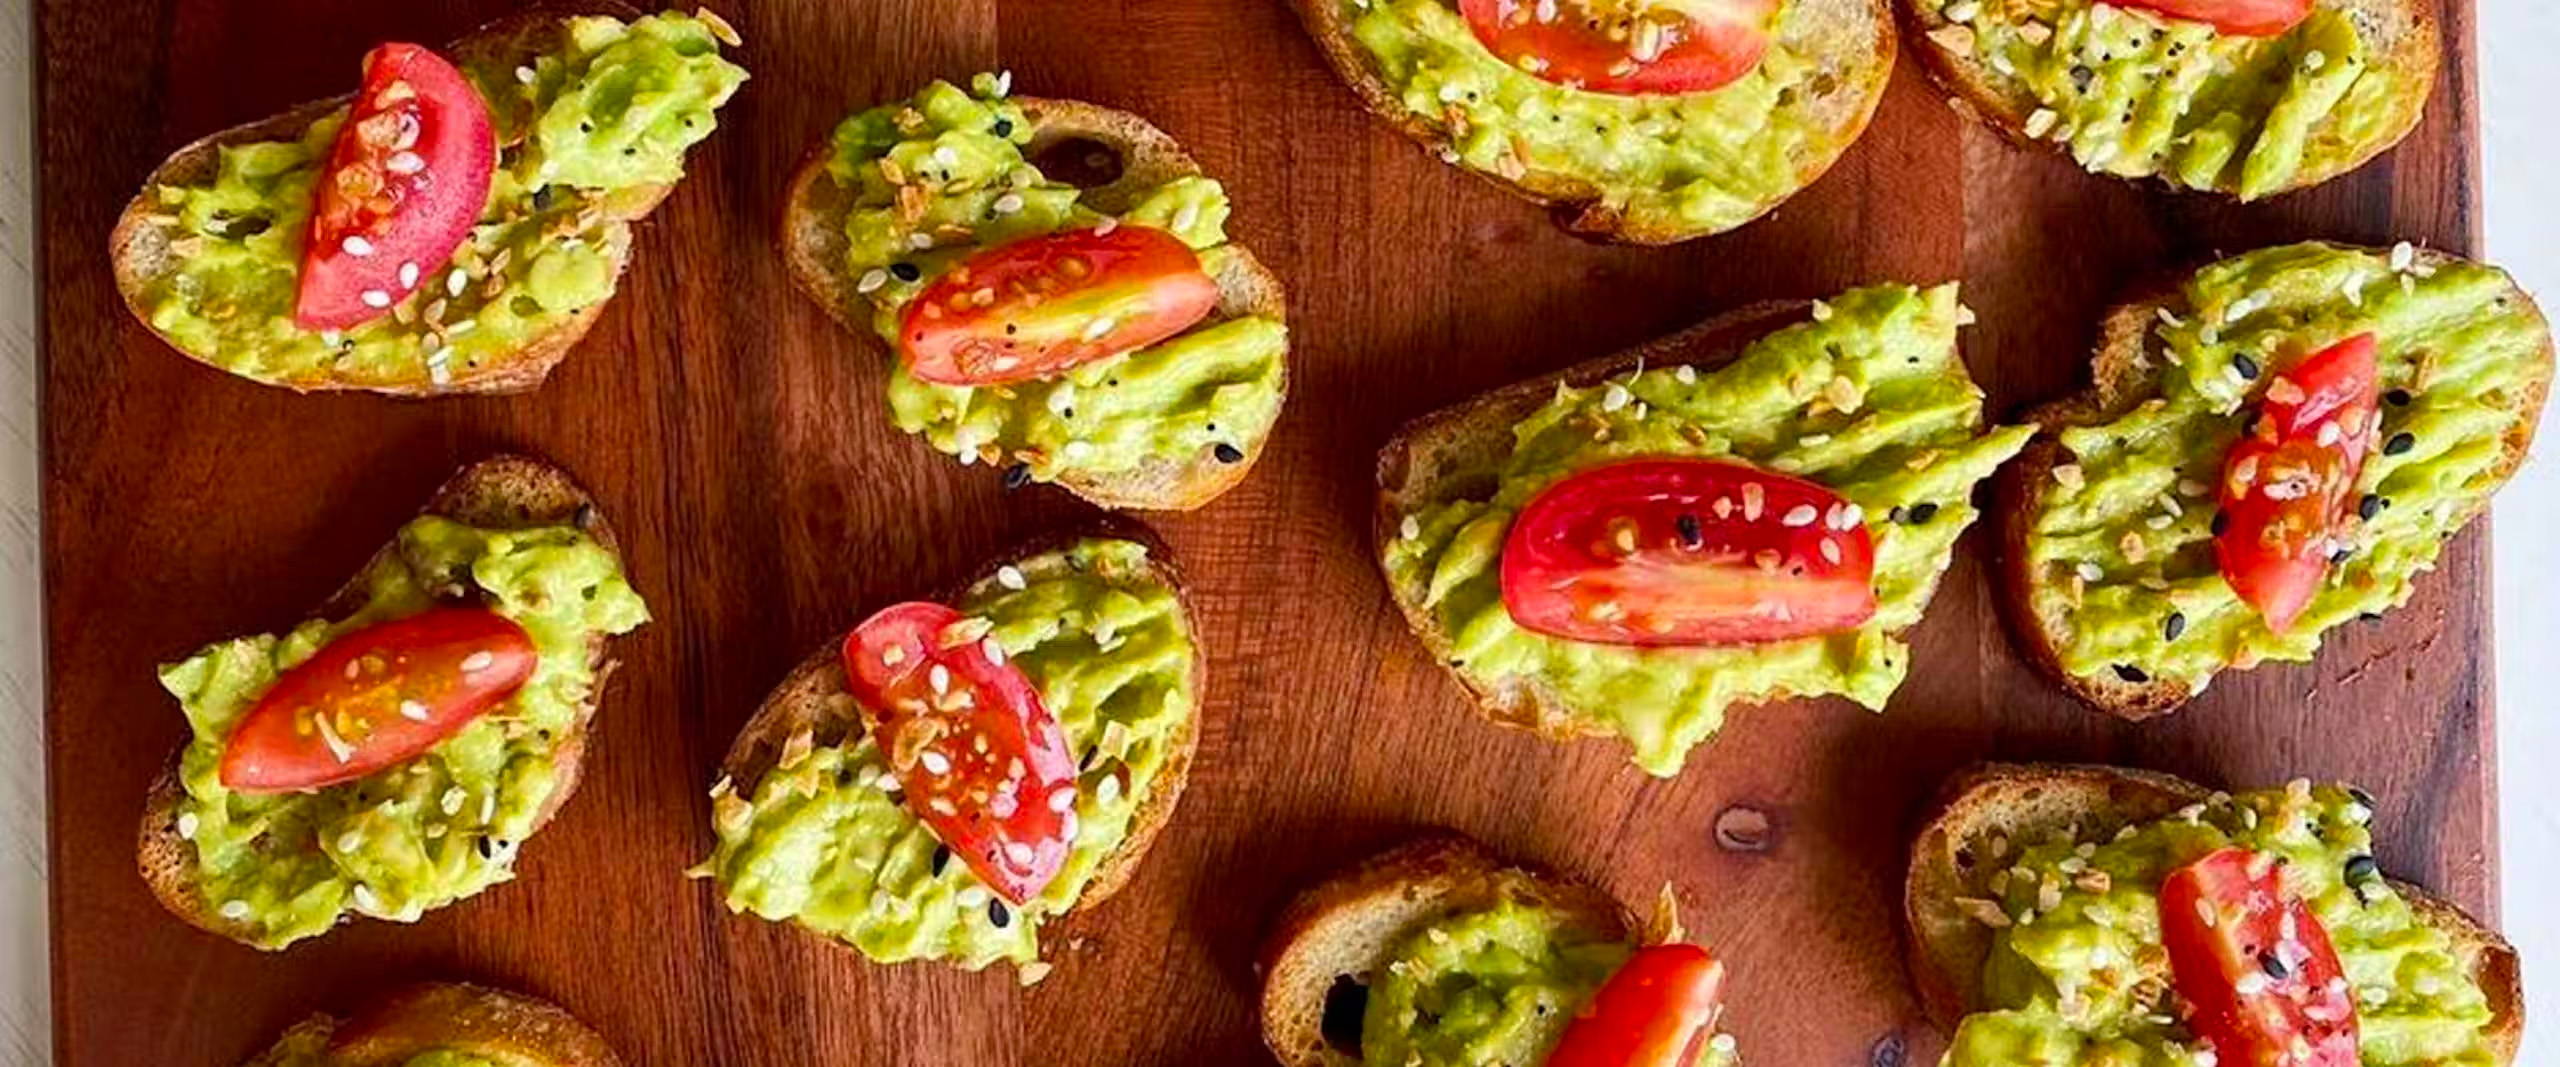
(1451, 452)
(1851, 41)
(448, 1017)
(1947, 948)
(499, 492)
(141, 249)
(814, 699)
(2118, 383)
(2402, 35)
(1139, 157)
(1318, 962)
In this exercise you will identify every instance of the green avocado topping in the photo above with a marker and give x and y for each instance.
(825, 841)
(439, 828)
(2122, 546)
(1869, 399)
(2136, 94)
(1495, 984)
(589, 132)
(939, 178)
(1686, 164)
(2078, 974)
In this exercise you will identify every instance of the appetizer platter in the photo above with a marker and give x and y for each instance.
(1042, 533)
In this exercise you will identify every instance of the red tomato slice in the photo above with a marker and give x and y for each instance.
(1659, 1010)
(2256, 964)
(376, 697)
(1627, 46)
(2286, 484)
(2247, 18)
(1039, 306)
(980, 758)
(1687, 552)
(406, 180)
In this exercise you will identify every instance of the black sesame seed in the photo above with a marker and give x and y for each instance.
(544, 197)
(2247, 367)
(2221, 522)
(2371, 505)
(585, 517)
(2364, 798)
(1002, 128)
(2131, 673)
(2362, 868)
(2174, 625)
(1017, 476)
(2399, 398)
(2341, 554)
(1228, 453)
(905, 272)
(2399, 443)
(941, 859)
(1692, 532)
(2274, 966)
(2369, 616)
(1921, 513)
(998, 915)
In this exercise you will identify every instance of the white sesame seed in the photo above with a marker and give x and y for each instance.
(1008, 203)
(2041, 121)
(1799, 515)
(1821, 311)
(1108, 224)
(1830, 550)
(935, 762)
(1004, 83)
(1685, 374)
(408, 275)
(452, 800)
(524, 75)
(1076, 450)
(971, 896)
(1108, 791)
(375, 298)
(872, 280)
(405, 163)
(1063, 800)
(355, 245)
(1412, 528)
(1186, 218)
(2314, 59)
(1018, 852)
(1963, 11)
(939, 677)
(235, 910)
(413, 711)
(478, 661)
(1615, 397)
(2403, 255)
(993, 651)
(920, 241)
(187, 823)
(2090, 572)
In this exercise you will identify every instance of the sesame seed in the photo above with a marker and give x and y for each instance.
(871, 281)
(1799, 515)
(1019, 853)
(2041, 122)
(187, 823)
(939, 677)
(375, 298)
(478, 661)
(1063, 800)
(1685, 374)
(405, 163)
(2091, 572)
(408, 275)
(413, 711)
(2403, 256)
(1615, 397)
(2399, 443)
(1821, 311)
(524, 75)
(1008, 204)
(1227, 453)
(235, 910)
(357, 246)
(452, 800)
(935, 763)
(1010, 577)
(1412, 528)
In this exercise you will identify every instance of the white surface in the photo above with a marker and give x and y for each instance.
(2520, 126)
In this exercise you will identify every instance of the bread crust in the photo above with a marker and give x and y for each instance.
(2413, 53)
(445, 1016)
(815, 697)
(1444, 454)
(1945, 949)
(1576, 206)
(505, 491)
(2117, 384)
(1347, 925)
(139, 250)
(813, 245)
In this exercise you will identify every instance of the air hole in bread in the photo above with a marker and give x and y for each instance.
(1346, 1004)
(1079, 161)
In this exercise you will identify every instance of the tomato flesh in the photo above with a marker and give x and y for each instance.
(977, 755)
(2287, 485)
(1627, 47)
(1658, 1010)
(1687, 552)
(377, 697)
(406, 179)
(1038, 307)
(2246, 18)
(2260, 972)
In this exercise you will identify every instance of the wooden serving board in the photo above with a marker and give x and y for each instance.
(737, 439)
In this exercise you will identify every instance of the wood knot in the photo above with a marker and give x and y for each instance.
(1888, 1051)
(1742, 828)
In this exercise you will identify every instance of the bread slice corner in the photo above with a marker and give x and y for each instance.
(444, 1016)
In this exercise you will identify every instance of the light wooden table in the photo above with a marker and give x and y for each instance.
(2522, 146)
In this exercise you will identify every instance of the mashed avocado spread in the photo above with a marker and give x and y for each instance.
(2123, 544)
(588, 132)
(825, 840)
(1493, 985)
(2078, 975)
(438, 828)
(1869, 399)
(2136, 94)
(939, 178)
(1686, 164)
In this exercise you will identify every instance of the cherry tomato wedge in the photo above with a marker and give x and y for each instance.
(2257, 965)
(377, 697)
(1040, 306)
(405, 181)
(1627, 46)
(1687, 552)
(2246, 18)
(2286, 485)
(979, 758)
(1658, 1010)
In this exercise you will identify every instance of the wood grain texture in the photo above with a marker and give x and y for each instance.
(737, 439)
